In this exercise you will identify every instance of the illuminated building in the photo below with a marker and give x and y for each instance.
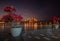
(31, 24)
(34, 24)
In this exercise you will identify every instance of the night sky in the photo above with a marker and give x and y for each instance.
(34, 8)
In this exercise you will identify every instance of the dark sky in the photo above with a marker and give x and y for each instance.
(27, 8)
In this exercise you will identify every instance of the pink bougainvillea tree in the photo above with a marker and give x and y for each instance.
(10, 16)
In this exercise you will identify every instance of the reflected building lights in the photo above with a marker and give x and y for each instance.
(35, 26)
(41, 25)
(31, 24)
(2, 26)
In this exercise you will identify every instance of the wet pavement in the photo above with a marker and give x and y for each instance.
(42, 35)
(38, 35)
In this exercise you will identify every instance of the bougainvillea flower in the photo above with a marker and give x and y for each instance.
(8, 8)
(54, 18)
(12, 17)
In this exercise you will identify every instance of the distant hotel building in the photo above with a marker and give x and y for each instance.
(29, 24)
